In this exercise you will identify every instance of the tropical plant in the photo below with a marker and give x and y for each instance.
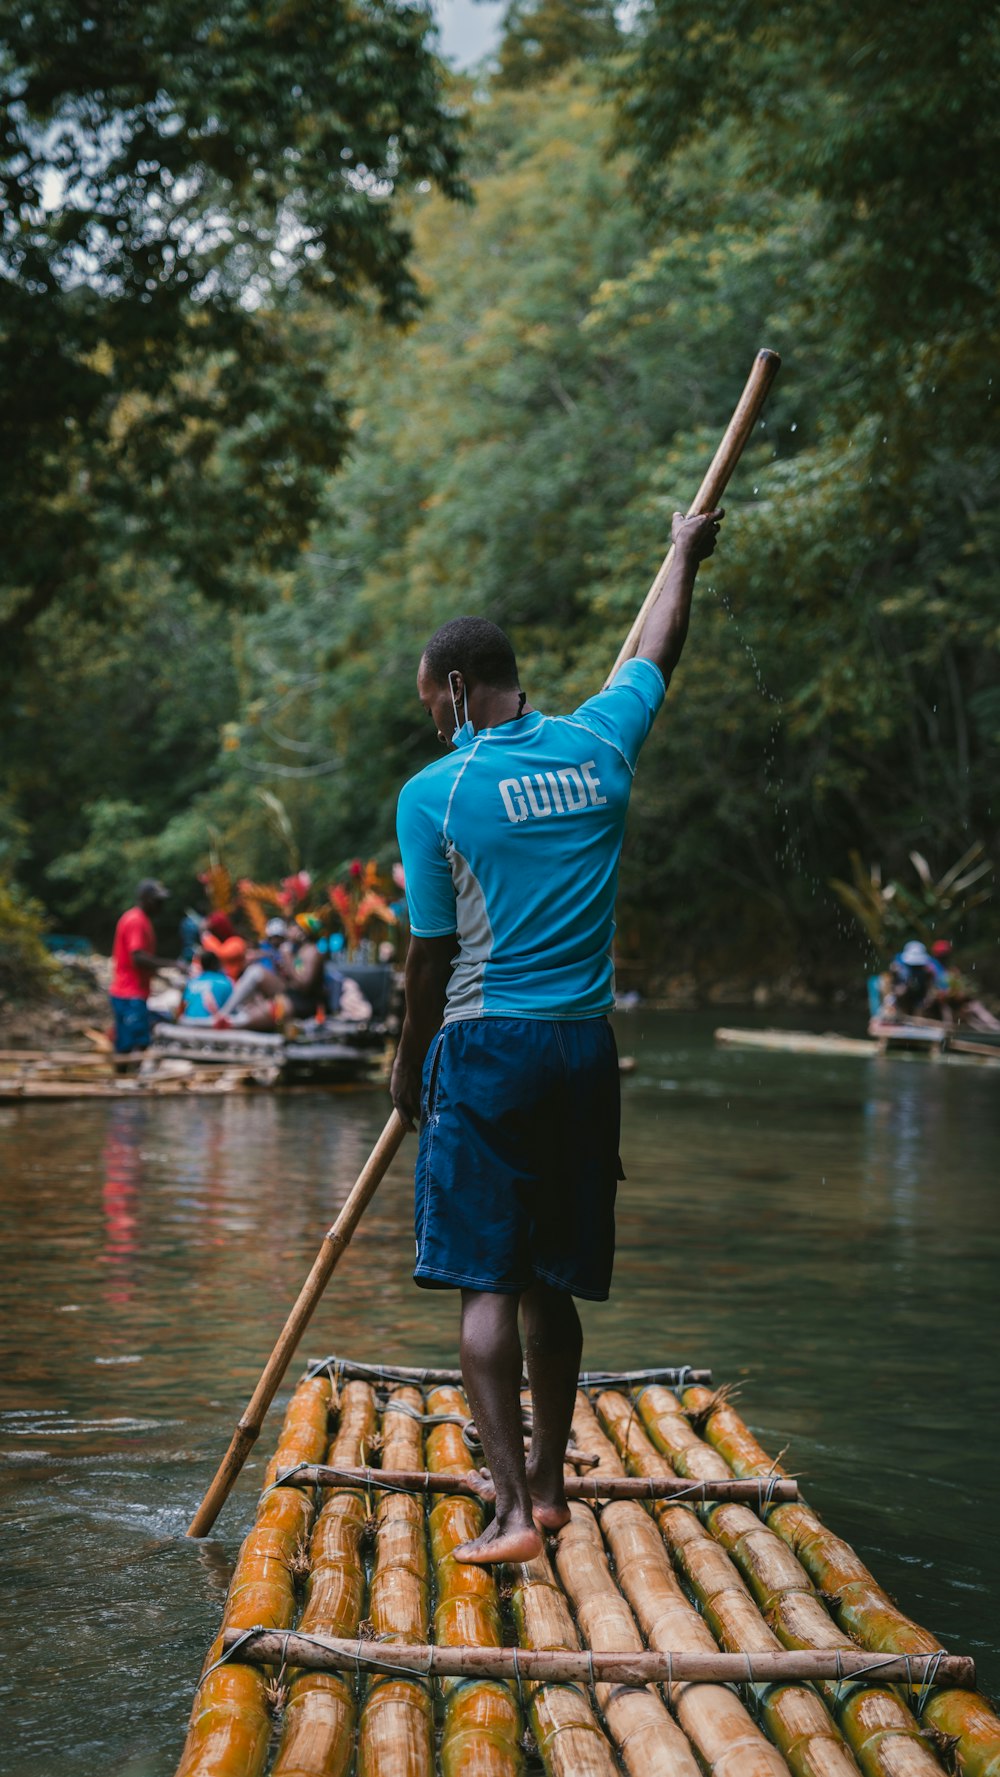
(890, 913)
(26, 968)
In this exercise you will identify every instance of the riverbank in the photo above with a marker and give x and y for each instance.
(74, 1006)
(69, 1016)
(61, 1021)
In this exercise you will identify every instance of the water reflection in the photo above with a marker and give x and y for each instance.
(121, 1190)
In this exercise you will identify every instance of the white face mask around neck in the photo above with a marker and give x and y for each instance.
(464, 732)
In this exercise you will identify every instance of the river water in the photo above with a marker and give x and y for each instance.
(824, 1231)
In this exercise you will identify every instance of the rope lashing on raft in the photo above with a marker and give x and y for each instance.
(520, 1686)
(878, 1665)
(230, 1653)
(364, 1663)
(927, 1686)
(766, 1486)
(395, 1406)
(358, 1478)
(284, 1477)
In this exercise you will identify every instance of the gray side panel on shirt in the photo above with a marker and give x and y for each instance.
(465, 989)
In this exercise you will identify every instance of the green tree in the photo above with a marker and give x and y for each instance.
(540, 37)
(184, 189)
(518, 450)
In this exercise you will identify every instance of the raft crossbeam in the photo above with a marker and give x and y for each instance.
(763, 1492)
(327, 1653)
(671, 1376)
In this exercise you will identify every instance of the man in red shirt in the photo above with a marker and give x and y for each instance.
(134, 962)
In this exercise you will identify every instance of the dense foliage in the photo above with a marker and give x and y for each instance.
(180, 182)
(696, 186)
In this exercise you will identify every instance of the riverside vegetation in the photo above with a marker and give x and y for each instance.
(264, 464)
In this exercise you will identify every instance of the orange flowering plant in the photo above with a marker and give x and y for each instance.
(359, 900)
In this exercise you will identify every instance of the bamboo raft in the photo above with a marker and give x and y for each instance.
(944, 1046)
(695, 1616)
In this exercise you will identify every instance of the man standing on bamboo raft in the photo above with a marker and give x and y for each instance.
(507, 1061)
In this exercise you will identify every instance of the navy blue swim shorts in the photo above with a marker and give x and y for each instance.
(518, 1163)
(133, 1024)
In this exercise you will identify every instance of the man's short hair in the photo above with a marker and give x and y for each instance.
(475, 648)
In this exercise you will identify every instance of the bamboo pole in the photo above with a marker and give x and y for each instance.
(726, 1739)
(230, 1728)
(648, 1740)
(748, 409)
(566, 1729)
(477, 1485)
(482, 1720)
(399, 1603)
(396, 1731)
(858, 1602)
(881, 1732)
(335, 1240)
(317, 1738)
(557, 1665)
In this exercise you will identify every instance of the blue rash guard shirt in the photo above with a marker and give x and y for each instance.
(513, 842)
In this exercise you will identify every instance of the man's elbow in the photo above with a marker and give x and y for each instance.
(665, 657)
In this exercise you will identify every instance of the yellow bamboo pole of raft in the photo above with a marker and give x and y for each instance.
(726, 1739)
(748, 410)
(648, 1740)
(230, 1728)
(317, 1737)
(881, 1732)
(860, 1604)
(396, 1731)
(568, 1734)
(482, 1719)
(334, 1242)
(643, 1733)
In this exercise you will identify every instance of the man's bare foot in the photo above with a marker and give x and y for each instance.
(550, 1517)
(522, 1543)
(548, 1503)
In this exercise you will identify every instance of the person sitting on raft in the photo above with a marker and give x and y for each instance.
(207, 989)
(292, 991)
(269, 951)
(956, 994)
(220, 936)
(914, 989)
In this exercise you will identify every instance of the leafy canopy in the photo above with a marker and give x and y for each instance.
(184, 185)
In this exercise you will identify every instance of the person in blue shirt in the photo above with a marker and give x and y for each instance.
(206, 990)
(510, 844)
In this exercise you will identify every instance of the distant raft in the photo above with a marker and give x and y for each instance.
(695, 1616)
(956, 1046)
